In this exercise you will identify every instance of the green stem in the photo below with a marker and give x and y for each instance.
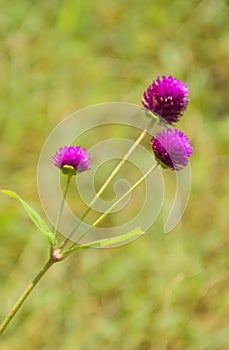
(116, 170)
(109, 179)
(95, 223)
(62, 204)
(102, 217)
(25, 295)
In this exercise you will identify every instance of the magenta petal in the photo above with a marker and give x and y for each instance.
(172, 149)
(167, 97)
(74, 157)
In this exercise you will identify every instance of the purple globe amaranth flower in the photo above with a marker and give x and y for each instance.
(172, 149)
(72, 160)
(167, 97)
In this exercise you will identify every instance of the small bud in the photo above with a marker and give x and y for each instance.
(57, 255)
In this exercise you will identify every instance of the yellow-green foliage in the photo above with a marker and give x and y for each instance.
(161, 291)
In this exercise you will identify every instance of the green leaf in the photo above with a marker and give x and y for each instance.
(34, 216)
(114, 241)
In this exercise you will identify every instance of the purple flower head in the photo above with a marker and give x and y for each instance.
(172, 149)
(72, 159)
(167, 97)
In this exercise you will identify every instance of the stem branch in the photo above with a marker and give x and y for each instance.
(107, 182)
(95, 223)
(75, 246)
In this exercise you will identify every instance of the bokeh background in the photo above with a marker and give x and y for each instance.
(162, 291)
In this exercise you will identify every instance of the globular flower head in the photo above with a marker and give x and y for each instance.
(167, 97)
(72, 159)
(172, 149)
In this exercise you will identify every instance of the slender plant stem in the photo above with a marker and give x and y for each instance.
(62, 205)
(102, 217)
(116, 170)
(95, 223)
(25, 295)
(107, 182)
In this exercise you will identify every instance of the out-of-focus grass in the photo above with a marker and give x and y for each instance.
(160, 292)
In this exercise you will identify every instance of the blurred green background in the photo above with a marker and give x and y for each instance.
(162, 291)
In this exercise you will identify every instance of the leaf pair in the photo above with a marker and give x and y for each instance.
(49, 235)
